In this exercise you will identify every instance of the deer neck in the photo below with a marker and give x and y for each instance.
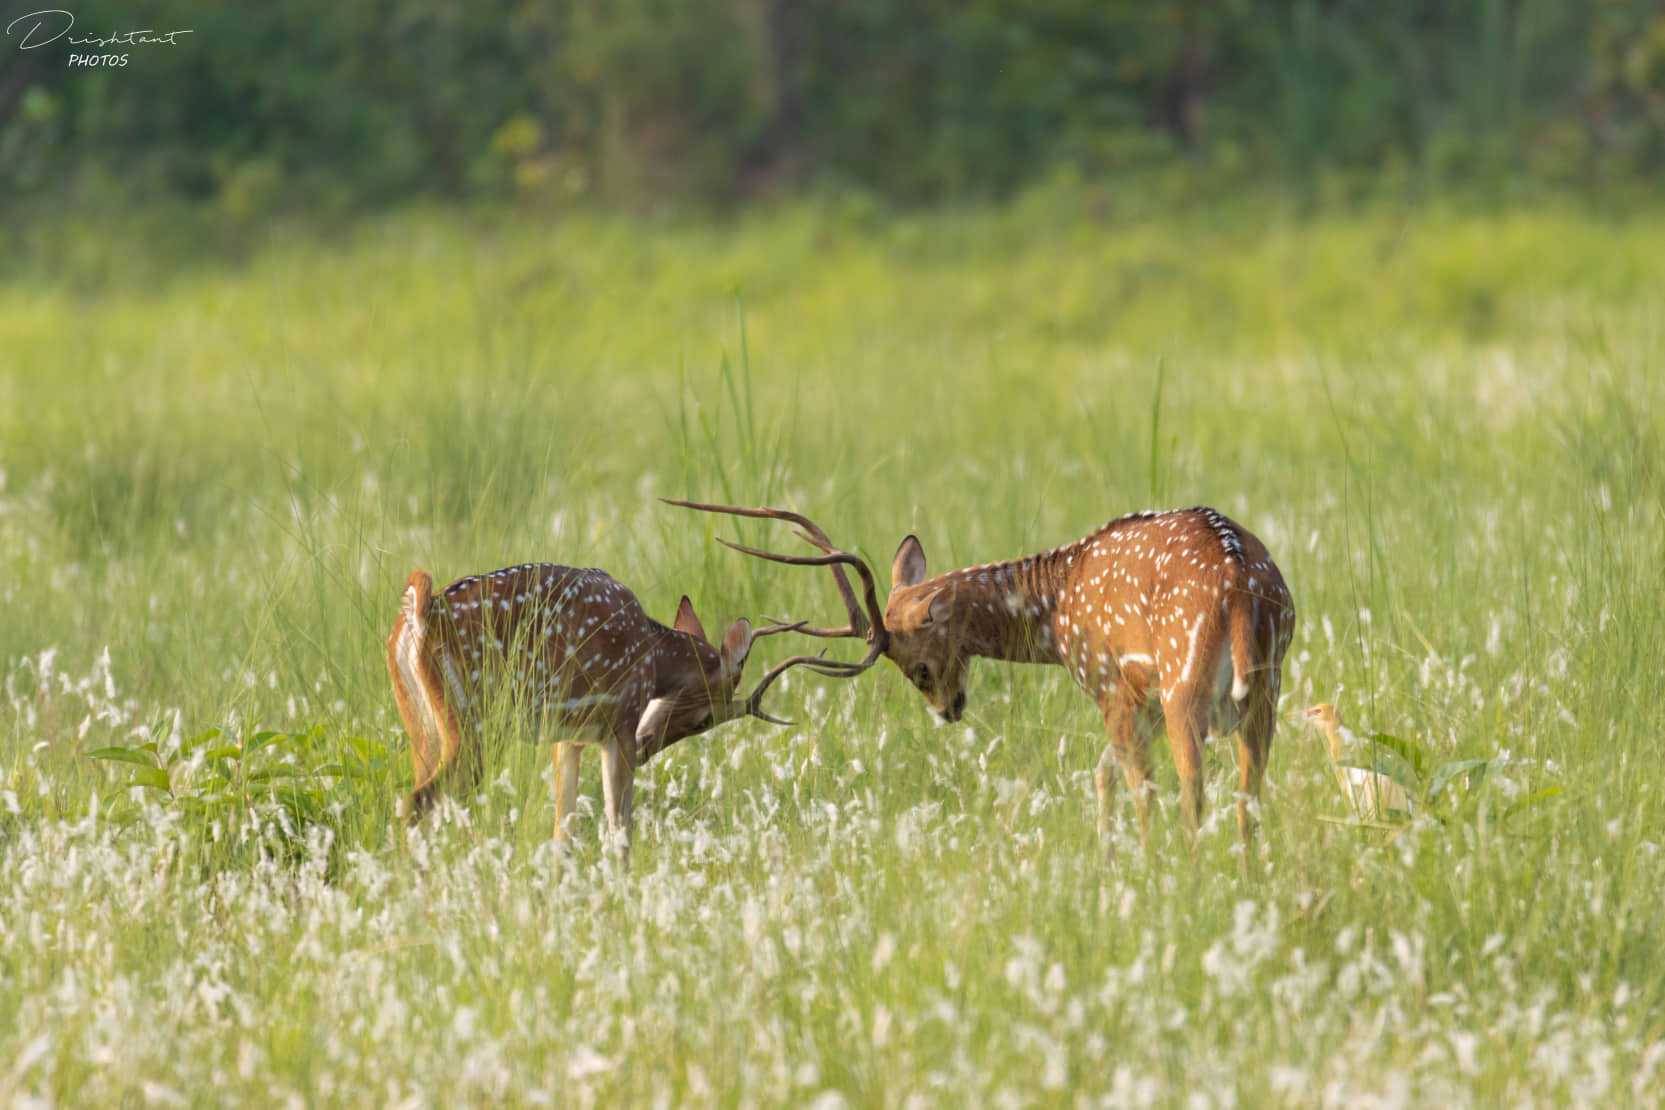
(1006, 610)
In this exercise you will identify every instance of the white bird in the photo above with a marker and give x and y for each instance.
(1370, 793)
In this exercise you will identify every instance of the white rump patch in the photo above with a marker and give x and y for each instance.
(409, 654)
(408, 607)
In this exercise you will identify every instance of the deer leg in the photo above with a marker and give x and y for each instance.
(1104, 784)
(1126, 748)
(1187, 723)
(618, 789)
(564, 755)
(1250, 767)
(1254, 748)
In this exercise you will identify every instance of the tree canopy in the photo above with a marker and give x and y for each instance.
(914, 100)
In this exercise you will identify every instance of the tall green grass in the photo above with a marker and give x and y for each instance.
(1446, 425)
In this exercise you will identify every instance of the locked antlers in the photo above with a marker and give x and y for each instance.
(869, 625)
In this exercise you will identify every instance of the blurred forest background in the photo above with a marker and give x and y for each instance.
(324, 106)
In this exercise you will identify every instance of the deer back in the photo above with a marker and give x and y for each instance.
(567, 640)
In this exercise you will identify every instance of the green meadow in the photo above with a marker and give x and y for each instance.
(1445, 419)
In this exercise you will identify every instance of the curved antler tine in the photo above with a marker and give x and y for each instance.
(783, 626)
(833, 560)
(832, 668)
(876, 630)
(811, 533)
(775, 556)
(804, 628)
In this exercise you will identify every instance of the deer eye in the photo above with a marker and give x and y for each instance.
(922, 675)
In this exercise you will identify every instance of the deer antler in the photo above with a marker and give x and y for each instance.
(811, 534)
(869, 625)
(771, 629)
(753, 706)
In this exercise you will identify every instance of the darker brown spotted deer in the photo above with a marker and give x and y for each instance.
(567, 654)
(1181, 612)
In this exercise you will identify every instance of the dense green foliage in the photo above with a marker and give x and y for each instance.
(1447, 426)
(335, 103)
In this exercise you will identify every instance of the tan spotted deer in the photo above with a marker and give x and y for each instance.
(567, 654)
(1180, 614)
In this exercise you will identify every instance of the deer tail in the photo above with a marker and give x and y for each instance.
(414, 680)
(419, 591)
(418, 688)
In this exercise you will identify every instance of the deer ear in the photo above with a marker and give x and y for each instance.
(908, 568)
(939, 608)
(686, 621)
(737, 644)
(654, 719)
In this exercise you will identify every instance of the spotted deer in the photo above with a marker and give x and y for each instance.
(563, 652)
(1180, 613)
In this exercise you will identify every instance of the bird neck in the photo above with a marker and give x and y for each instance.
(1332, 734)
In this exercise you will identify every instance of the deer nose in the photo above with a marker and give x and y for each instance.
(958, 707)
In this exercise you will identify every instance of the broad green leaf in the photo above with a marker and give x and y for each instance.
(1473, 769)
(1409, 750)
(1532, 799)
(262, 739)
(153, 777)
(199, 740)
(136, 756)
